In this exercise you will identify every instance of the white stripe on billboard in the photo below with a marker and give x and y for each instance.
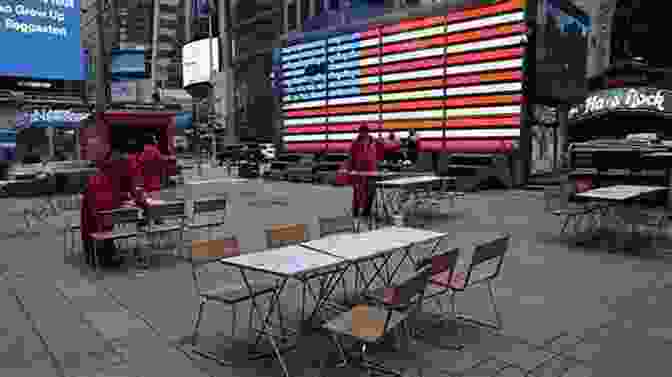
(430, 134)
(426, 114)
(482, 45)
(299, 138)
(413, 75)
(483, 111)
(354, 82)
(484, 89)
(434, 93)
(425, 53)
(480, 67)
(485, 22)
(415, 34)
(484, 132)
(351, 100)
(303, 105)
(304, 121)
(305, 54)
(303, 46)
(342, 136)
(354, 118)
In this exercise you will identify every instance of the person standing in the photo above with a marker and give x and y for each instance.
(412, 147)
(150, 163)
(363, 156)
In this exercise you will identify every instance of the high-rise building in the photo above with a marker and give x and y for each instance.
(130, 24)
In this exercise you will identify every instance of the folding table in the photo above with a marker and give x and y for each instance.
(382, 243)
(405, 187)
(620, 195)
(291, 262)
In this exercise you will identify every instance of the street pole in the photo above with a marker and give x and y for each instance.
(211, 97)
(101, 65)
(155, 47)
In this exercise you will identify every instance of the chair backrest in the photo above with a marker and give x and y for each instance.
(214, 249)
(440, 262)
(168, 210)
(338, 224)
(209, 205)
(489, 251)
(285, 234)
(412, 290)
(121, 216)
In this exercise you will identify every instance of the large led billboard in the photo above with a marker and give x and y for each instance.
(455, 79)
(41, 44)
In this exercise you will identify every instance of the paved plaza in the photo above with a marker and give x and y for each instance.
(567, 311)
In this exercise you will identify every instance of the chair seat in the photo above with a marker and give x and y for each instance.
(383, 295)
(448, 280)
(102, 236)
(235, 292)
(369, 328)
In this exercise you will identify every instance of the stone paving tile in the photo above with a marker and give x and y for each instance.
(555, 367)
(563, 343)
(510, 372)
(525, 356)
(582, 371)
(486, 368)
(76, 346)
(21, 352)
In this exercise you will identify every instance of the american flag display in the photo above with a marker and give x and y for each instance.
(455, 79)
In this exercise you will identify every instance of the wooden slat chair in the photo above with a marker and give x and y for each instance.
(172, 215)
(125, 227)
(204, 211)
(203, 256)
(281, 235)
(484, 254)
(370, 324)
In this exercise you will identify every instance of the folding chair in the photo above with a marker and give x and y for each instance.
(368, 324)
(207, 208)
(335, 225)
(557, 202)
(168, 211)
(281, 235)
(119, 218)
(486, 252)
(203, 255)
(442, 264)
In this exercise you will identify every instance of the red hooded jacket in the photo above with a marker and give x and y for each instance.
(151, 165)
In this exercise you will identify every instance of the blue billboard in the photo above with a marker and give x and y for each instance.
(40, 41)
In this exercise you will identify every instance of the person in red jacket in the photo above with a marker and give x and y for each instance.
(150, 162)
(102, 193)
(363, 156)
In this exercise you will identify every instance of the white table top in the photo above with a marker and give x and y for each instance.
(357, 246)
(619, 192)
(285, 261)
(411, 180)
(217, 180)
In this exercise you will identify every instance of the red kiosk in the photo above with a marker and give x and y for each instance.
(97, 140)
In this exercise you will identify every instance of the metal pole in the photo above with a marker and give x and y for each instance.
(211, 98)
(155, 47)
(101, 66)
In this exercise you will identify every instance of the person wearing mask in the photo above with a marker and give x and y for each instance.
(133, 179)
(363, 158)
(150, 163)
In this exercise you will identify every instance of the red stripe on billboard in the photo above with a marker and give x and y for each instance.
(314, 147)
(306, 113)
(511, 121)
(409, 85)
(483, 100)
(506, 6)
(413, 24)
(466, 145)
(413, 105)
(305, 130)
(352, 127)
